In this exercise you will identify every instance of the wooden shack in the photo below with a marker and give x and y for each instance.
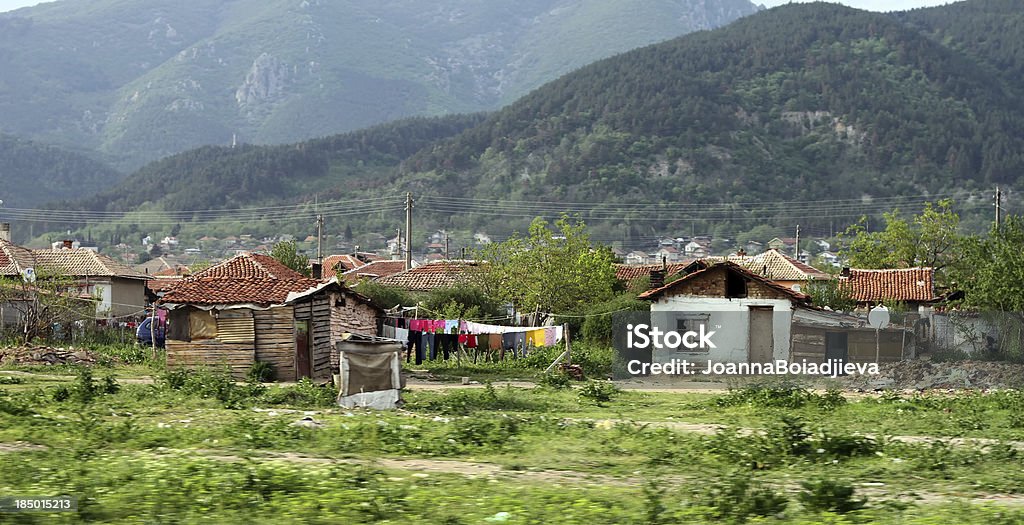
(819, 335)
(235, 316)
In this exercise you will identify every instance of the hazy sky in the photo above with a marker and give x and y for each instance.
(871, 5)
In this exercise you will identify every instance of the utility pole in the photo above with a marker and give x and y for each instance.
(319, 239)
(408, 230)
(999, 207)
(446, 245)
(796, 248)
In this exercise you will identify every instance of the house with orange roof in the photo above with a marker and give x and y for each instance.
(251, 308)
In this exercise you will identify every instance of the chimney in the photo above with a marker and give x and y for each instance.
(318, 271)
(657, 278)
(68, 244)
(5, 231)
(845, 272)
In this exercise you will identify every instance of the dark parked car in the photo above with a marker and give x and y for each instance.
(145, 336)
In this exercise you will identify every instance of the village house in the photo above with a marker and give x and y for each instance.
(757, 320)
(335, 265)
(636, 257)
(373, 270)
(750, 314)
(251, 308)
(117, 289)
(433, 275)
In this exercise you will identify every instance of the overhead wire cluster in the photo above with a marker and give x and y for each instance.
(665, 212)
(341, 208)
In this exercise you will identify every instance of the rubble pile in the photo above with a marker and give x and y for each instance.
(922, 374)
(45, 355)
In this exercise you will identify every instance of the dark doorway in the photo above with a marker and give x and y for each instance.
(836, 347)
(302, 363)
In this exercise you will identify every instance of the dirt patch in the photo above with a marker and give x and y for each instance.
(19, 446)
(47, 355)
(923, 374)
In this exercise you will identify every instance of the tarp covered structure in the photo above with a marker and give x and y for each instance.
(371, 372)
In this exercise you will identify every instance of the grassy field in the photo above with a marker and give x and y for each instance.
(138, 444)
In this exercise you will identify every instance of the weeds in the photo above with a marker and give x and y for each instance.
(598, 392)
(829, 495)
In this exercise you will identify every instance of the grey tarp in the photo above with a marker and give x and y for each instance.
(370, 373)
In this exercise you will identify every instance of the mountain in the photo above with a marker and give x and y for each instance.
(803, 103)
(33, 174)
(140, 79)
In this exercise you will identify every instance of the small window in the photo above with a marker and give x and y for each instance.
(692, 323)
(735, 286)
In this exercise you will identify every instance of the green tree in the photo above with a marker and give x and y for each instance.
(550, 270)
(994, 277)
(287, 253)
(384, 296)
(931, 239)
(41, 303)
(462, 302)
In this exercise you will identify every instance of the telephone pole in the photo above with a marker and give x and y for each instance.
(319, 239)
(999, 207)
(796, 247)
(446, 245)
(408, 230)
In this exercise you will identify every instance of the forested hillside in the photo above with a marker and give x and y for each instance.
(32, 174)
(803, 103)
(137, 80)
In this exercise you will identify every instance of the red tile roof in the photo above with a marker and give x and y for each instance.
(903, 284)
(430, 276)
(213, 290)
(162, 284)
(373, 270)
(337, 264)
(632, 273)
(245, 278)
(658, 292)
(250, 266)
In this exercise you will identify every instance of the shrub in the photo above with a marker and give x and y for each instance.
(829, 495)
(738, 497)
(262, 372)
(598, 391)
(556, 379)
(305, 393)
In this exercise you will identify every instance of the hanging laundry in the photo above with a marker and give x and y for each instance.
(520, 342)
(535, 337)
(549, 336)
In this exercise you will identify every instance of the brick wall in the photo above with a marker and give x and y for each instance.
(353, 316)
(712, 283)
